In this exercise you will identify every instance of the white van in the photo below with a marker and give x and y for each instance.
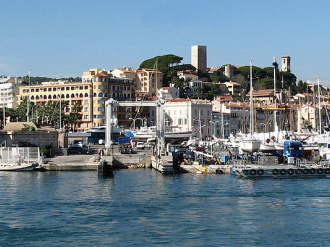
(140, 145)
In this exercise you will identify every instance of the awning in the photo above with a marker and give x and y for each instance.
(129, 134)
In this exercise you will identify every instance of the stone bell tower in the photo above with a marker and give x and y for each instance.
(286, 64)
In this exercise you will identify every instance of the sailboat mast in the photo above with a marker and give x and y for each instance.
(251, 105)
(275, 101)
(320, 122)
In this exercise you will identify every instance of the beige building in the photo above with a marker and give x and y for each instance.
(231, 88)
(147, 82)
(68, 92)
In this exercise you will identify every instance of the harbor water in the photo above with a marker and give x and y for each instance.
(144, 208)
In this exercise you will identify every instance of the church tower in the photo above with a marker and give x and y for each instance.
(198, 58)
(286, 64)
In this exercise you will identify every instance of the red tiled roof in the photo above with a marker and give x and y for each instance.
(100, 75)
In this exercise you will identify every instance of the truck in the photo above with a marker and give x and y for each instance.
(292, 150)
(124, 145)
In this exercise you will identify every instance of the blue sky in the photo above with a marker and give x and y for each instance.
(64, 38)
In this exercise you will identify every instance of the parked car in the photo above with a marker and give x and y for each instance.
(85, 148)
(75, 150)
(140, 145)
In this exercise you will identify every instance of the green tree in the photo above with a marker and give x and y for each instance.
(264, 84)
(302, 87)
(165, 65)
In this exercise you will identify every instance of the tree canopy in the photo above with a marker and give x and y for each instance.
(165, 64)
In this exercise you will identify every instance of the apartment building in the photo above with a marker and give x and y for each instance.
(69, 92)
(148, 82)
(189, 114)
(8, 91)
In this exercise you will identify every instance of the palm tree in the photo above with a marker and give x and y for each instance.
(71, 120)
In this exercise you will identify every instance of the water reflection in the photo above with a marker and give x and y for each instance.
(143, 206)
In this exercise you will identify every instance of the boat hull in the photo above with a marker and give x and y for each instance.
(281, 172)
(249, 145)
(21, 167)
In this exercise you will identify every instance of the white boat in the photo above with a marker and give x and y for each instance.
(19, 158)
(179, 134)
(150, 132)
(250, 144)
(18, 167)
(267, 148)
(102, 129)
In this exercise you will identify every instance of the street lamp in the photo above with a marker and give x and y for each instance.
(223, 130)
(213, 129)
(134, 119)
(265, 127)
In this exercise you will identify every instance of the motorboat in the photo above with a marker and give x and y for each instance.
(103, 128)
(18, 166)
(19, 158)
(150, 132)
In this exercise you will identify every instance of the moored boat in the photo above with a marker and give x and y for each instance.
(18, 167)
(284, 171)
(19, 158)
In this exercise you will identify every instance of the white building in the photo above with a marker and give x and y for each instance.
(8, 91)
(187, 114)
(171, 92)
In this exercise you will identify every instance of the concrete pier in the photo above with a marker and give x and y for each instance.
(164, 164)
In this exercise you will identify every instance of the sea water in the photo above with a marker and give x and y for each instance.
(144, 208)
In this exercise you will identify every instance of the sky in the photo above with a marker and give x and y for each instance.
(64, 38)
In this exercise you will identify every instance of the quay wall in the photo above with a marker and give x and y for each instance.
(70, 167)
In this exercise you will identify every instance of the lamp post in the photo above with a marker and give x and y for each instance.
(265, 127)
(213, 128)
(223, 130)
(60, 110)
(134, 119)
